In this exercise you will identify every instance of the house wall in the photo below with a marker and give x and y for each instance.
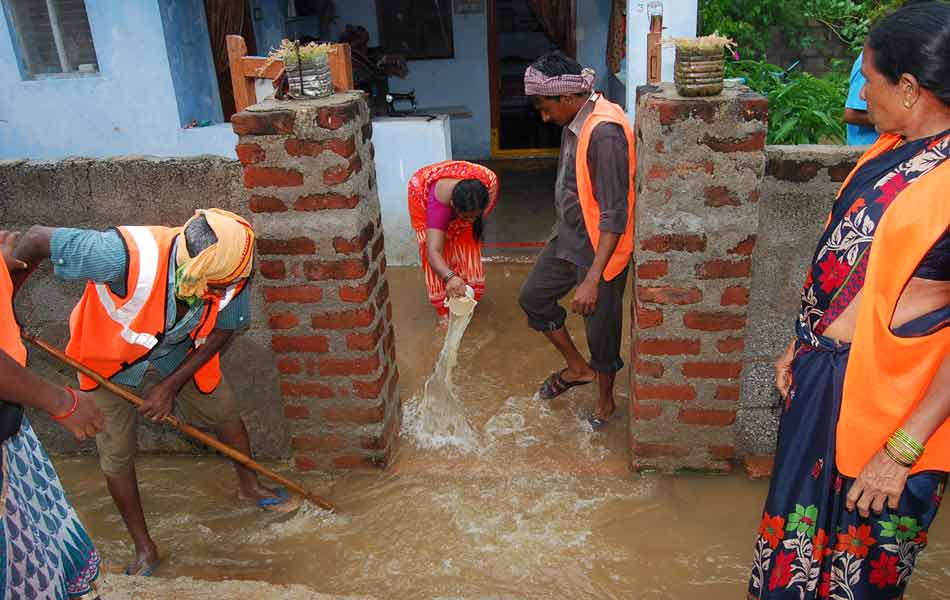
(189, 56)
(129, 107)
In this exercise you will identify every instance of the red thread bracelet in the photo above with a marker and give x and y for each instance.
(72, 409)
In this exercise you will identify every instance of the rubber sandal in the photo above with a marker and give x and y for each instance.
(597, 424)
(284, 502)
(555, 385)
(145, 570)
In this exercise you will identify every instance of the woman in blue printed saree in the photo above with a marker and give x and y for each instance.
(46, 553)
(864, 441)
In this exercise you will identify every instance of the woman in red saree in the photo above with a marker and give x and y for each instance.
(447, 204)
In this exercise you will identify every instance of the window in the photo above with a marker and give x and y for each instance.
(53, 36)
(416, 29)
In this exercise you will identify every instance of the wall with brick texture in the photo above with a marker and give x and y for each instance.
(310, 183)
(135, 190)
(699, 181)
(800, 185)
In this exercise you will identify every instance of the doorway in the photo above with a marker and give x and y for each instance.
(519, 31)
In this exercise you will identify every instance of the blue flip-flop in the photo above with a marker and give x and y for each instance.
(145, 570)
(283, 503)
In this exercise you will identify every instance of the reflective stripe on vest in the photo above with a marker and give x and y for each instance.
(148, 270)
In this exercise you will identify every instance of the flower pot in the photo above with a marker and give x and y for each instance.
(310, 78)
(699, 71)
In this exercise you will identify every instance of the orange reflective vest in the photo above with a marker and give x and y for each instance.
(109, 333)
(888, 375)
(605, 112)
(10, 341)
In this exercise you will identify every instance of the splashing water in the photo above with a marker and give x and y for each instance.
(438, 419)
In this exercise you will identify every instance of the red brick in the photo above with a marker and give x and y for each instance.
(355, 462)
(293, 295)
(745, 247)
(249, 154)
(649, 368)
(727, 392)
(357, 415)
(255, 177)
(289, 366)
(724, 269)
(309, 343)
(681, 169)
(712, 370)
(671, 111)
(266, 204)
(758, 467)
(674, 242)
(356, 244)
(722, 452)
(730, 345)
(314, 443)
(669, 295)
(792, 170)
(371, 389)
(342, 269)
(339, 174)
(293, 411)
(654, 269)
(646, 412)
(755, 108)
(659, 450)
(343, 147)
(713, 321)
(735, 296)
(682, 393)
(334, 117)
(312, 202)
(720, 195)
(304, 463)
(365, 341)
(349, 366)
(283, 321)
(667, 347)
(383, 296)
(648, 319)
(359, 293)
(378, 248)
(701, 416)
(263, 123)
(292, 246)
(306, 390)
(347, 319)
(272, 269)
(752, 143)
(372, 442)
(839, 172)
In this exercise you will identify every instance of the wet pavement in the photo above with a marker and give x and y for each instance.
(538, 507)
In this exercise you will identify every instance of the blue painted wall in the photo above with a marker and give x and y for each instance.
(268, 18)
(189, 57)
(129, 107)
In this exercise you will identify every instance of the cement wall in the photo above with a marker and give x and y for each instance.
(134, 191)
(800, 185)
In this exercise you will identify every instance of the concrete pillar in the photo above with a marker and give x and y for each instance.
(679, 20)
(700, 168)
(309, 179)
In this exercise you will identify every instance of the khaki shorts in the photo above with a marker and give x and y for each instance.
(118, 441)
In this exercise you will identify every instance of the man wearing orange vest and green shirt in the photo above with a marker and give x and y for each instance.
(160, 304)
(592, 242)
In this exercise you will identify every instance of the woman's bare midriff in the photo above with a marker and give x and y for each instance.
(920, 297)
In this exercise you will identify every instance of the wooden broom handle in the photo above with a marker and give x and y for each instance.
(185, 428)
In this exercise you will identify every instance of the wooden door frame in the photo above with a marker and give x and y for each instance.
(494, 92)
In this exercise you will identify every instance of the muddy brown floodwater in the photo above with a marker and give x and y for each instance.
(538, 507)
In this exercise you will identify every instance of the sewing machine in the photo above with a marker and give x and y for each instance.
(393, 97)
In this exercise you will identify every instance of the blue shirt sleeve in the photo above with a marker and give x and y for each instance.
(84, 254)
(237, 314)
(854, 100)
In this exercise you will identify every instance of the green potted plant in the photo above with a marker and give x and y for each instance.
(307, 68)
(700, 66)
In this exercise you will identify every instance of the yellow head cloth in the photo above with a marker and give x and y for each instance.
(224, 262)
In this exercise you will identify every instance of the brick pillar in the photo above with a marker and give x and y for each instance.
(310, 182)
(700, 166)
